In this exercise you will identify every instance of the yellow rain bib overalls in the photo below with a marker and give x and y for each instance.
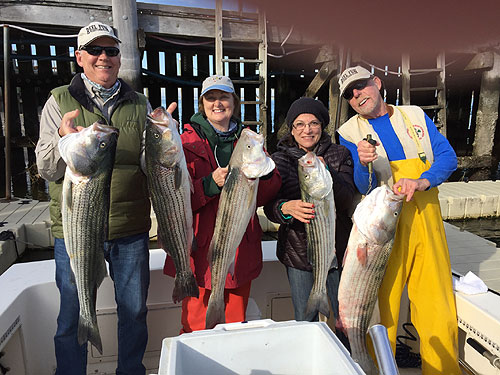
(420, 257)
(421, 260)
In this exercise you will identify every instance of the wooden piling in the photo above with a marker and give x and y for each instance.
(125, 22)
(487, 113)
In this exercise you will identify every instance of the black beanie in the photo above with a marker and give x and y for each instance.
(308, 105)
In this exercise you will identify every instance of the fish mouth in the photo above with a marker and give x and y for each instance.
(100, 128)
(307, 160)
(158, 116)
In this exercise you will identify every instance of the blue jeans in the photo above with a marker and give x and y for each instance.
(301, 283)
(128, 260)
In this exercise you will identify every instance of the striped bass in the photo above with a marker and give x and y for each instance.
(370, 243)
(170, 188)
(89, 156)
(316, 186)
(237, 204)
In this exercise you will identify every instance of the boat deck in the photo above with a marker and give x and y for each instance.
(30, 223)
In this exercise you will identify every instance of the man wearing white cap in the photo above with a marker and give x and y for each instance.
(98, 95)
(410, 155)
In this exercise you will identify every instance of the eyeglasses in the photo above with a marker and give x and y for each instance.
(300, 126)
(358, 85)
(97, 50)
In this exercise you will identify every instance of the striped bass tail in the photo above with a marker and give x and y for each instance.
(184, 286)
(359, 352)
(318, 301)
(89, 331)
(215, 311)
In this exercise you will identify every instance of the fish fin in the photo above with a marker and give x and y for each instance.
(89, 331)
(345, 256)
(178, 177)
(68, 195)
(376, 318)
(335, 261)
(185, 285)
(191, 186)
(359, 350)
(318, 302)
(215, 311)
(160, 242)
(362, 253)
(231, 269)
(194, 245)
(339, 326)
(354, 231)
(102, 271)
(367, 364)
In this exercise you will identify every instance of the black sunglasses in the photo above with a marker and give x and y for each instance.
(97, 50)
(358, 85)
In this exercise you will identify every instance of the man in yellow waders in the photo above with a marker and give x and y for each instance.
(409, 154)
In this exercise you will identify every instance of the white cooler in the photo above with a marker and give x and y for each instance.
(261, 347)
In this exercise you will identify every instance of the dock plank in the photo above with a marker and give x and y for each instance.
(469, 252)
(17, 216)
(8, 210)
(37, 213)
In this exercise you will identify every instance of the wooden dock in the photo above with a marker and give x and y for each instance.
(469, 252)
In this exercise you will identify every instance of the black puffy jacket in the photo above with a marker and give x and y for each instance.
(292, 241)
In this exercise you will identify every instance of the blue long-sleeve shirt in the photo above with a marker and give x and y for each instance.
(445, 159)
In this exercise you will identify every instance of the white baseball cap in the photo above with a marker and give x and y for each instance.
(93, 31)
(217, 82)
(351, 75)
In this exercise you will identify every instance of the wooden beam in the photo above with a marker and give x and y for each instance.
(125, 22)
(326, 53)
(405, 70)
(483, 60)
(441, 94)
(323, 75)
(487, 111)
(218, 32)
(474, 161)
(152, 18)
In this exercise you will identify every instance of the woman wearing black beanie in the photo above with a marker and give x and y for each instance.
(307, 119)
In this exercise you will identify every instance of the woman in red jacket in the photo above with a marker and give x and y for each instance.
(208, 142)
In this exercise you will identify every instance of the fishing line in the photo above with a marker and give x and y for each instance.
(404, 356)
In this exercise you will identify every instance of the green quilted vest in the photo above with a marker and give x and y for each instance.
(129, 212)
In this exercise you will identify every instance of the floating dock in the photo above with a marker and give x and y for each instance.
(469, 200)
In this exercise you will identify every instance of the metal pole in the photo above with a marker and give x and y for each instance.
(6, 97)
(383, 351)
